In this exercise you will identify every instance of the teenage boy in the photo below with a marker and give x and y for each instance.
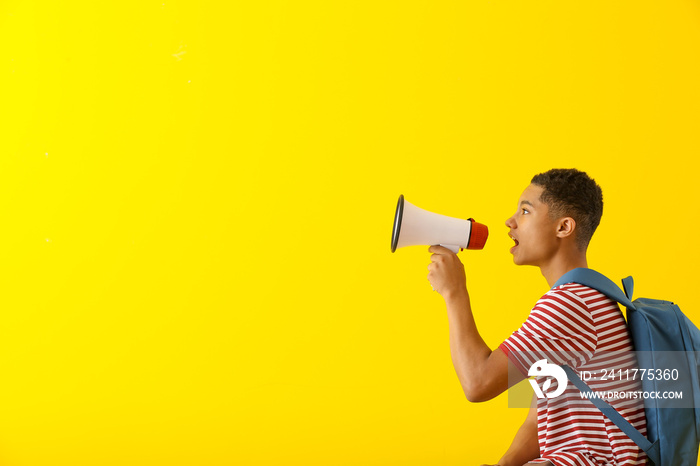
(572, 324)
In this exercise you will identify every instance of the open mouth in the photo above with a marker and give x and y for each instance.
(516, 242)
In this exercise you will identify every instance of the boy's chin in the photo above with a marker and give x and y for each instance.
(521, 261)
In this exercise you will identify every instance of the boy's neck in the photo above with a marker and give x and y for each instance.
(561, 264)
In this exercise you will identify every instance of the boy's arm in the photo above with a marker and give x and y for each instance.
(525, 446)
(483, 373)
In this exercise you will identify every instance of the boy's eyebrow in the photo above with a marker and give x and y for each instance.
(527, 202)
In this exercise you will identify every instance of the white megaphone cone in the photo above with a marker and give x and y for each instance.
(415, 226)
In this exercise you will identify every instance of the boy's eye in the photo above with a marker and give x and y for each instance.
(525, 211)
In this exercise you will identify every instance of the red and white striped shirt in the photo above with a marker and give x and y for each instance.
(577, 325)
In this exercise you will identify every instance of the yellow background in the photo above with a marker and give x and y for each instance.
(196, 202)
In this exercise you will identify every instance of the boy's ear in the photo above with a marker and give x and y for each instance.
(566, 227)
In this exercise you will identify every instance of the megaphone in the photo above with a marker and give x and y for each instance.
(415, 226)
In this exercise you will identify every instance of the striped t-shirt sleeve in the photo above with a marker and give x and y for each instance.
(559, 329)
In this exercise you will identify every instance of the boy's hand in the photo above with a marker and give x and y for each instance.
(446, 272)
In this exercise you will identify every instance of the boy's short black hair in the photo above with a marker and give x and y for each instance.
(572, 193)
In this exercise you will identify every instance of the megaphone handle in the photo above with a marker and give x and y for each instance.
(451, 247)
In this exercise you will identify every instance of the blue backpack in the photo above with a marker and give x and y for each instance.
(656, 328)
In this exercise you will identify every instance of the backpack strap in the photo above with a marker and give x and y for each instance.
(628, 287)
(600, 282)
(651, 449)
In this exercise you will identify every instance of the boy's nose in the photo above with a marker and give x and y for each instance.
(510, 223)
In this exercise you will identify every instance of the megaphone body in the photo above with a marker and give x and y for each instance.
(415, 226)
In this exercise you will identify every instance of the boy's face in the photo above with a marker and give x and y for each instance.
(534, 233)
